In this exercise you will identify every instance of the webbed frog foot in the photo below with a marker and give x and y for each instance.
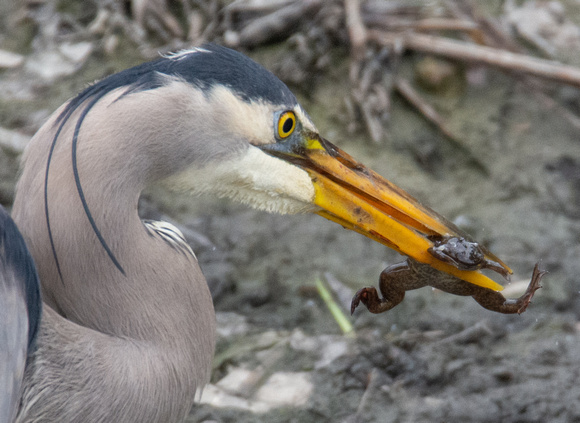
(495, 301)
(370, 298)
(524, 300)
(364, 295)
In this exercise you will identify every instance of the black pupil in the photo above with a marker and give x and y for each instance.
(288, 125)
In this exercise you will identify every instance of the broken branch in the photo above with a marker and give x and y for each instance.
(461, 50)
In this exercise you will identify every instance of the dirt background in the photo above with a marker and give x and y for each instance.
(510, 176)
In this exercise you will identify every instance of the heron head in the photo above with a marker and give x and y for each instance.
(211, 120)
(264, 150)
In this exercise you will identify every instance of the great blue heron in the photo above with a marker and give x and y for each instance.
(127, 330)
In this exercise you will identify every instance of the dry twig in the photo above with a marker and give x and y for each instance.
(356, 29)
(469, 52)
(428, 24)
(274, 25)
(405, 89)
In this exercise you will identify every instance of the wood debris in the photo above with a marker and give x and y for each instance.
(375, 32)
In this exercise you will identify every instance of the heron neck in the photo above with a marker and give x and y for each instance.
(154, 303)
(140, 288)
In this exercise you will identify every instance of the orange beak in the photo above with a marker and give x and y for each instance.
(357, 198)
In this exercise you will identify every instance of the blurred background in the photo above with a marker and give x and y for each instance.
(473, 107)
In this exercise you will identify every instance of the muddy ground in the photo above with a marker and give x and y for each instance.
(436, 357)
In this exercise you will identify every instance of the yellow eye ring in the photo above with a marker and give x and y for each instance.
(286, 124)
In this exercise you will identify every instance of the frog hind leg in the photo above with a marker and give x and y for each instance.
(393, 283)
(495, 301)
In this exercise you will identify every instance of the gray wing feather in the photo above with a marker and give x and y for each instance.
(20, 308)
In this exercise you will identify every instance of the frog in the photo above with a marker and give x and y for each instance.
(410, 274)
(464, 254)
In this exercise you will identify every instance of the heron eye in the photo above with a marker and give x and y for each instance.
(286, 124)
